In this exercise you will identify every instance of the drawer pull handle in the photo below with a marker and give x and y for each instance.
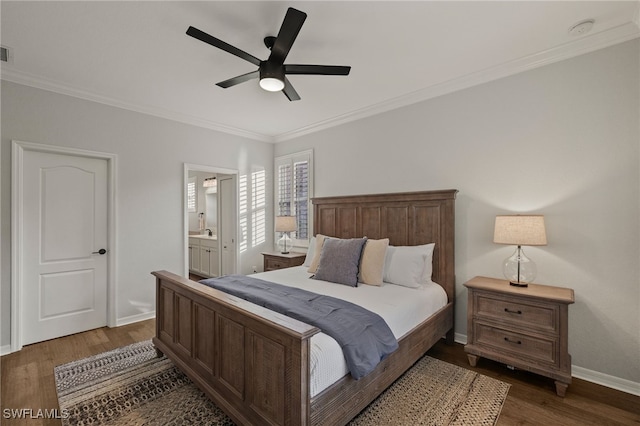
(513, 312)
(517, 342)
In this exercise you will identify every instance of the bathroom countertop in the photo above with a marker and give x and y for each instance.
(204, 237)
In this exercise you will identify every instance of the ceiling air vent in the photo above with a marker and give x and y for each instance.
(4, 54)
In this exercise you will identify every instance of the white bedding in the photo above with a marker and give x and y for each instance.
(402, 308)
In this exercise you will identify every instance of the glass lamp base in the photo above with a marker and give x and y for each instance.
(519, 269)
(284, 244)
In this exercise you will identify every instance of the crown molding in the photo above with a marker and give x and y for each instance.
(587, 44)
(52, 86)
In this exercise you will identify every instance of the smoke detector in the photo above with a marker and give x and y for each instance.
(582, 27)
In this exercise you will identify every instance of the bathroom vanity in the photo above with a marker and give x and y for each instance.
(203, 255)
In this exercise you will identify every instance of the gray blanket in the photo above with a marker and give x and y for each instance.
(365, 338)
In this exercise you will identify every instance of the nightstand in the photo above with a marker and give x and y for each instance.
(276, 260)
(523, 327)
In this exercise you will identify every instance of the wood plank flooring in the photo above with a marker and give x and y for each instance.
(27, 383)
(532, 399)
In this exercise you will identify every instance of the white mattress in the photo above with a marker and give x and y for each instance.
(401, 307)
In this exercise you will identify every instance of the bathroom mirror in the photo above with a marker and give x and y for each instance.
(211, 211)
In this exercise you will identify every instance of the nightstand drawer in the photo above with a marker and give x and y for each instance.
(522, 345)
(273, 261)
(270, 264)
(536, 316)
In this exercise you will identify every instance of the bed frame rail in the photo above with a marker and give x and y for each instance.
(238, 353)
(332, 408)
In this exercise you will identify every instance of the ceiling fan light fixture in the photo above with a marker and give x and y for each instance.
(271, 76)
(272, 72)
(271, 84)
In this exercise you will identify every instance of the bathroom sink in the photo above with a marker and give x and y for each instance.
(213, 237)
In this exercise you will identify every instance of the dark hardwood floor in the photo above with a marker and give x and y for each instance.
(27, 376)
(532, 399)
(27, 383)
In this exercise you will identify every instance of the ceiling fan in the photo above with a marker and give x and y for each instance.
(273, 72)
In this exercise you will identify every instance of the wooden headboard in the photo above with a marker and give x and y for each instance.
(407, 219)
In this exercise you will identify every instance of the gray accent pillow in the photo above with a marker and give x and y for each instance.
(340, 261)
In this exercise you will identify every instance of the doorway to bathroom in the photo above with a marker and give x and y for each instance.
(210, 221)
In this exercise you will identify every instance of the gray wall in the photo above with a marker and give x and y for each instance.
(561, 140)
(151, 155)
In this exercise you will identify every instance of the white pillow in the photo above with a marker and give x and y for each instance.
(310, 252)
(428, 263)
(317, 251)
(408, 266)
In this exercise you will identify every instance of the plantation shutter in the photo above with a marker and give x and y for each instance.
(243, 214)
(293, 191)
(192, 195)
(301, 198)
(258, 206)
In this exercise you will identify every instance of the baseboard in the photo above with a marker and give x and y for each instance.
(460, 338)
(613, 382)
(5, 350)
(135, 318)
(596, 377)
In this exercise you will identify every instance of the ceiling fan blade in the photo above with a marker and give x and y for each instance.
(317, 69)
(289, 30)
(209, 39)
(289, 91)
(239, 79)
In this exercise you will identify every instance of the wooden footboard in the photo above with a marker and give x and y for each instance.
(252, 362)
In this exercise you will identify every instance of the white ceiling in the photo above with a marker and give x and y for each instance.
(136, 55)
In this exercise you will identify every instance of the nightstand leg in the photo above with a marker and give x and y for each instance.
(473, 359)
(561, 388)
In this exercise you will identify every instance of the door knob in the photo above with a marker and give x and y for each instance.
(101, 251)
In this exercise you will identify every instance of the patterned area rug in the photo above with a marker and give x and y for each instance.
(131, 386)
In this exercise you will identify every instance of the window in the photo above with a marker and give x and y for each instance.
(252, 203)
(293, 192)
(192, 195)
(258, 207)
(244, 231)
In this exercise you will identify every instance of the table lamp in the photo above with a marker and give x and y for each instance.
(285, 224)
(519, 230)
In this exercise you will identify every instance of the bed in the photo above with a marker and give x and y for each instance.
(255, 363)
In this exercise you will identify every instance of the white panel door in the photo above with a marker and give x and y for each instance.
(227, 220)
(64, 255)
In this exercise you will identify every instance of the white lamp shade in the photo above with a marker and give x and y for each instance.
(285, 223)
(520, 230)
